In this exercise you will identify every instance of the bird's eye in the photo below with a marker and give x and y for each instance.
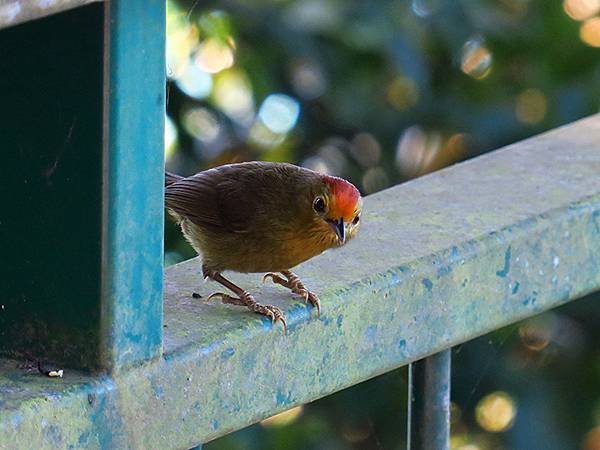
(356, 219)
(319, 205)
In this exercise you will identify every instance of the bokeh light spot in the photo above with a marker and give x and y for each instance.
(374, 179)
(424, 8)
(263, 136)
(233, 95)
(419, 152)
(333, 156)
(307, 79)
(213, 55)
(317, 164)
(590, 32)
(531, 107)
(476, 59)
(591, 440)
(201, 124)
(581, 9)
(279, 113)
(496, 412)
(182, 40)
(284, 418)
(170, 137)
(195, 82)
(365, 148)
(402, 93)
(355, 433)
(536, 333)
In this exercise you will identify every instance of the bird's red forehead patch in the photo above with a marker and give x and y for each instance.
(345, 197)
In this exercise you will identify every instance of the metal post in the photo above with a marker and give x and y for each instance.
(133, 172)
(429, 403)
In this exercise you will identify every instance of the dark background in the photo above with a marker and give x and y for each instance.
(380, 92)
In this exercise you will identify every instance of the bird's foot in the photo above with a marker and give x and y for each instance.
(245, 299)
(293, 283)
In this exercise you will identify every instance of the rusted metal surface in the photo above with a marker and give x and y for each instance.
(13, 12)
(439, 261)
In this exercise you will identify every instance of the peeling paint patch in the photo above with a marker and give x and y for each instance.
(427, 283)
(227, 353)
(283, 398)
(370, 333)
(506, 269)
(444, 270)
(530, 300)
(515, 288)
(402, 345)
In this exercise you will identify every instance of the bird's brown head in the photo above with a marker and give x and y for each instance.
(336, 210)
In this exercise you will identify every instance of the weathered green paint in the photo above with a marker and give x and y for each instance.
(429, 403)
(14, 12)
(224, 368)
(51, 171)
(133, 214)
(82, 247)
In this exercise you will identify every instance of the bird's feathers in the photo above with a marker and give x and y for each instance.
(254, 216)
(219, 197)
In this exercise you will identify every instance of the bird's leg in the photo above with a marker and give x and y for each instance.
(244, 299)
(293, 283)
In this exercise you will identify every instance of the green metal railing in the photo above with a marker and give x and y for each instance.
(439, 261)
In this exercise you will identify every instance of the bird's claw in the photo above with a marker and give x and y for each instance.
(294, 284)
(245, 299)
(314, 300)
(217, 294)
(309, 297)
(274, 313)
(276, 278)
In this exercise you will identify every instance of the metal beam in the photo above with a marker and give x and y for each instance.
(439, 261)
(429, 403)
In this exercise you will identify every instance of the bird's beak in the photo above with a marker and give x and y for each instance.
(339, 228)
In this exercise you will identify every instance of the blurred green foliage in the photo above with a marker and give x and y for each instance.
(380, 92)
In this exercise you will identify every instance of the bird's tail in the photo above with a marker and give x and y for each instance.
(171, 178)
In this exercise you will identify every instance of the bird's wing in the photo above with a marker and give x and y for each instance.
(227, 197)
(195, 198)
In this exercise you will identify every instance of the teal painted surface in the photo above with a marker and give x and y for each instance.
(51, 171)
(132, 251)
(82, 249)
(224, 368)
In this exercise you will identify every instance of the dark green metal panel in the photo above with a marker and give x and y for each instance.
(517, 233)
(81, 234)
(133, 182)
(429, 403)
(51, 170)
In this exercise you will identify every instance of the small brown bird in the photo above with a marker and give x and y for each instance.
(262, 217)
